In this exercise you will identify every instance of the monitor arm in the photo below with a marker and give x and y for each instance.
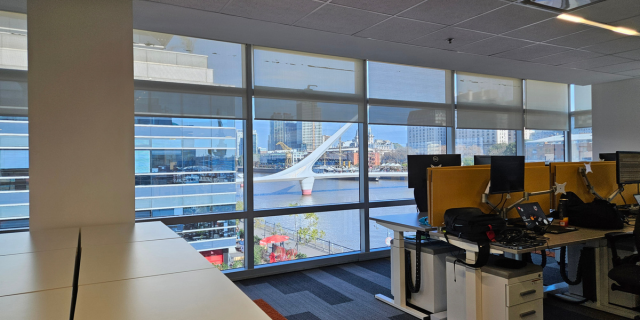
(583, 173)
(557, 189)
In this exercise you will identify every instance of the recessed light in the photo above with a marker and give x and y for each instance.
(576, 19)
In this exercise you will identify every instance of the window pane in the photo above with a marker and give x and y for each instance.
(221, 242)
(544, 145)
(581, 143)
(379, 235)
(471, 142)
(304, 163)
(299, 236)
(388, 150)
(176, 176)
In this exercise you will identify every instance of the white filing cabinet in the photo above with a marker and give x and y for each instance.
(456, 289)
(509, 294)
(433, 286)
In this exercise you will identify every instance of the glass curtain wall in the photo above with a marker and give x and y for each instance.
(546, 120)
(581, 138)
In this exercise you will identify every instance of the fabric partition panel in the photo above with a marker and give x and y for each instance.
(488, 102)
(582, 106)
(547, 106)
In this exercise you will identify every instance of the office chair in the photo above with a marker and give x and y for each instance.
(626, 271)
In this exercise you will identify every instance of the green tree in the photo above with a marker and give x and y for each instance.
(258, 254)
(503, 149)
(467, 161)
(308, 231)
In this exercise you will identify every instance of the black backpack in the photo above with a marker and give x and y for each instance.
(473, 225)
(599, 214)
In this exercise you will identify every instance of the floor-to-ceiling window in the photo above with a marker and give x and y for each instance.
(581, 136)
(546, 120)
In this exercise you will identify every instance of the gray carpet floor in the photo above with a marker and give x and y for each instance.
(347, 292)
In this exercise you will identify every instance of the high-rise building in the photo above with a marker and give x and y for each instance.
(255, 142)
(426, 140)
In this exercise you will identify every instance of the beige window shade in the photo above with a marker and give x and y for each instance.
(408, 95)
(13, 98)
(547, 106)
(152, 103)
(488, 102)
(582, 106)
(305, 110)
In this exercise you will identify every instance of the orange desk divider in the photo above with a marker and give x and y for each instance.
(457, 187)
(603, 179)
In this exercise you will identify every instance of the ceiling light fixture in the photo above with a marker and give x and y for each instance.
(576, 19)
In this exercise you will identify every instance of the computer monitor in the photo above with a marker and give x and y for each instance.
(507, 174)
(608, 156)
(418, 165)
(627, 167)
(478, 160)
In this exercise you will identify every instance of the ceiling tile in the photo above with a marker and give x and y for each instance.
(532, 52)
(460, 37)
(633, 54)
(206, 5)
(610, 11)
(586, 38)
(615, 46)
(280, 11)
(494, 45)
(399, 30)
(382, 6)
(631, 23)
(506, 19)
(567, 57)
(596, 62)
(621, 67)
(451, 11)
(546, 30)
(339, 19)
(632, 73)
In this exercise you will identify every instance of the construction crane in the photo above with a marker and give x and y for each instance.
(289, 161)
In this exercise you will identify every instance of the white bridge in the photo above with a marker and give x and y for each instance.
(302, 171)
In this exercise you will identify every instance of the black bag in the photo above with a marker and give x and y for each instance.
(471, 224)
(599, 214)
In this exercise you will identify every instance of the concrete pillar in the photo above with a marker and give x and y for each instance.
(81, 126)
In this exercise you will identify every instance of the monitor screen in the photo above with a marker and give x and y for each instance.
(507, 174)
(477, 160)
(418, 165)
(608, 156)
(627, 167)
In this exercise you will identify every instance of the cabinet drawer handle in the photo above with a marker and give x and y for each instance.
(526, 293)
(528, 313)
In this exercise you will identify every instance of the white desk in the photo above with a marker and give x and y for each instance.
(123, 233)
(138, 259)
(400, 224)
(204, 294)
(41, 305)
(36, 271)
(42, 240)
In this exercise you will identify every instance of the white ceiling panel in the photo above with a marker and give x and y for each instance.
(633, 54)
(546, 30)
(621, 67)
(279, 11)
(506, 19)
(382, 6)
(340, 19)
(567, 57)
(610, 10)
(207, 5)
(586, 38)
(451, 11)
(494, 45)
(460, 38)
(615, 46)
(596, 62)
(399, 30)
(631, 73)
(532, 52)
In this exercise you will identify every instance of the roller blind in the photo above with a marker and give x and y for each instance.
(307, 87)
(488, 102)
(582, 106)
(162, 103)
(547, 106)
(408, 95)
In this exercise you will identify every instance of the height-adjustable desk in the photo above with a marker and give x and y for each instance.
(400, 224)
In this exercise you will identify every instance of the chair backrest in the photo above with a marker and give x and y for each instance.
(636, 235)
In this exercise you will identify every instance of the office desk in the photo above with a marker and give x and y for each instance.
(130, 260)
(203, 294)
(400, 224)
(124, 233)
(41, 240)
(36, 271)
(41, 305)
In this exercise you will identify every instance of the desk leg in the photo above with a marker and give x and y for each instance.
(473, 280)
(398, 284)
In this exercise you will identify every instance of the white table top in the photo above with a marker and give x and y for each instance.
(36, 271)
(402, 222)
(42, 305)
(204, 294)
(123, 233)
(41, 240)
(138, 259)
